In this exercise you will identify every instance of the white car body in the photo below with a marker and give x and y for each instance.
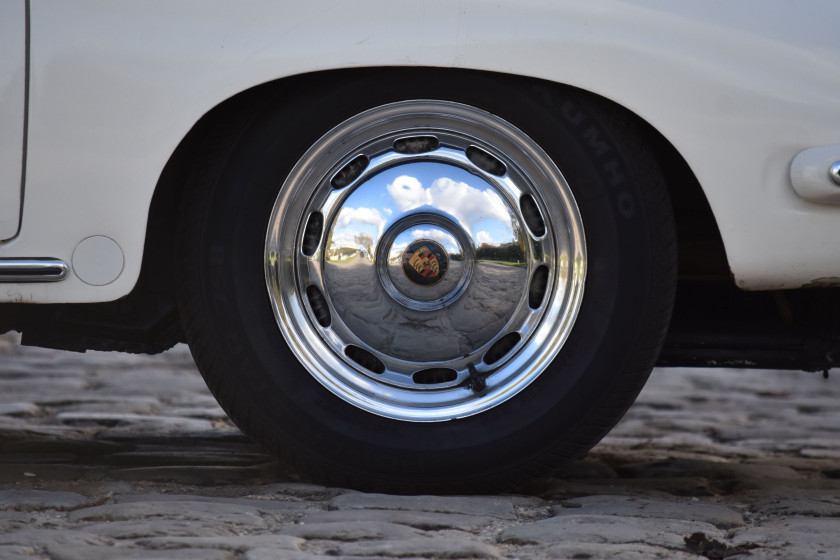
(738, 88)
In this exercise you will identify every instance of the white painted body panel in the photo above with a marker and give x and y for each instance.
(738, 87)
(12, 106)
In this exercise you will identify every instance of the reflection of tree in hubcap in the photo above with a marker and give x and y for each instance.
(425, 262)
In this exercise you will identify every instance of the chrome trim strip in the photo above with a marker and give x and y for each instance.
(32, 270)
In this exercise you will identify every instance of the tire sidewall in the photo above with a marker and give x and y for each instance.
(560, 414)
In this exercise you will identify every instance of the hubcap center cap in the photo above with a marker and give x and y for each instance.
(425, 262)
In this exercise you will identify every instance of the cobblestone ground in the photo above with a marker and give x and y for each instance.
(115, 456)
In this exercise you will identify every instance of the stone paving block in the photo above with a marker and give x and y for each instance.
(239, 515)
(660, 487)
(37, 458)
(88, 400)
(263, 506)
(607, 529)
(139, 380)
(21, 473)
(144, 528)
(235, 544)
(271, 554)
(114, 553)
(758, 471)
(24, 386)
(718, 515)
(147, 422)
(192, 399)
(423, 547)
(796, 489)
(300, 490)
(769, 431)
(824, 451)
(812, 537)
(587, 469)
(350, 531)
(24, 499)
(52, 537)
(424, 520)
(14, 521)
(696, 442)
(793, 507)
(500, 507)
(206, 412)
(107, 406)
(7, 517)
(198, 475)
(19, 409)
(169, 458)
(818, 490)
(222, 439)
(618, 441)
(675, 467)
(610, 552)
(20, 553)
(17, 429)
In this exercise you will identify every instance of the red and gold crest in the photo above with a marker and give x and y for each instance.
(425, 263)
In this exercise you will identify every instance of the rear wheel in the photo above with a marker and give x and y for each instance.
(427, 280)
(425, 260)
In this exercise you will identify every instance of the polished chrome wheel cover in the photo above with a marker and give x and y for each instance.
(425, 260)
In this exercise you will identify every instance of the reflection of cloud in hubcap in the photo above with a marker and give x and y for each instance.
(467, 204)
(441, 237)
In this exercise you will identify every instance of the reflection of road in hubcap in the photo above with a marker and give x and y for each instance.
(425, 262)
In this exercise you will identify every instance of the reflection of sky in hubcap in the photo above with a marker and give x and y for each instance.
(474, 298)
(434, 187)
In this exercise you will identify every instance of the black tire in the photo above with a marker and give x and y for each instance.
(568, 408)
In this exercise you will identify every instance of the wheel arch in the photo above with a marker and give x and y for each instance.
(135, 322)
(701, 249)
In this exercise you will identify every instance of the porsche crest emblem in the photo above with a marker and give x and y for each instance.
(425, 262)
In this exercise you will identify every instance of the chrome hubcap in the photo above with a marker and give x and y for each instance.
(425, 260)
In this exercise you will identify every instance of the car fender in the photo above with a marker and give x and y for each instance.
(738, 89)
